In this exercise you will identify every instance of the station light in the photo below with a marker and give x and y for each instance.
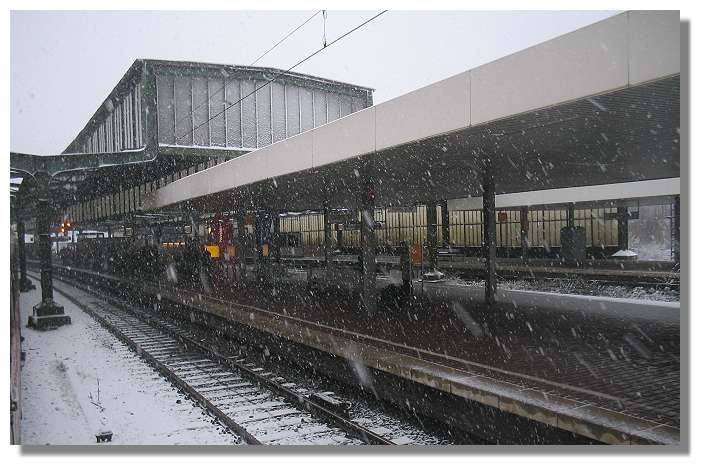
(66, 225)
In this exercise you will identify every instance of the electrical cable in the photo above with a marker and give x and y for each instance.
(287, 36)
(252, 64)
(282, 73)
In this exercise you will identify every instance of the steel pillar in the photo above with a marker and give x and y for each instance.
(368, 243)
(241, 270)
(432, 236)
(524, 223)
(194, 218)
(676, 231)
(406, 269)
(158, 235)
(47, 314)
(327, 241)
(489, 239)
(623, 228)
(25, 284)
(570, 215)
(445, 223)
(339, 237)
(263, 234)
(276, 237)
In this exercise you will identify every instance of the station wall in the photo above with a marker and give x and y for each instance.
(409, 225)
(245, 112)
(121, 127)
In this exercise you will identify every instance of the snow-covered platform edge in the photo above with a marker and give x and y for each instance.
(652, 310)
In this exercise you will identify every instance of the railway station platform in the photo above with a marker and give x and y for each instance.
(598, 124)
(612, 377)
(79, 380)
(610, 270)
(624, 369)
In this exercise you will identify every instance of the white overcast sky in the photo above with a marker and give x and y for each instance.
(64, 64)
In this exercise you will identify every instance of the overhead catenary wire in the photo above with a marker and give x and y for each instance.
(287, 36)
(189, 115)
(282, 73)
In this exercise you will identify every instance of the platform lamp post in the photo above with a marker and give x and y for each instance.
(489, 239)
(47, 314)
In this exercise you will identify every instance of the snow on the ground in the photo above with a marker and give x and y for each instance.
(624, 254)
(581, 287)
(60, 380)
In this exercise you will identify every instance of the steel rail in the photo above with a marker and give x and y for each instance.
(300, 400)
(161, 368)
(425, 354)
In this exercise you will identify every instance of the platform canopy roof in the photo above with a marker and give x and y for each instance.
(600, 105)
(81, 176)
(78, 174)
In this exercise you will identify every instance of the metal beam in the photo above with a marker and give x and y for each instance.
(63, 163)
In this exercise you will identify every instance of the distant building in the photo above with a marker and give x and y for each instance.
(178, 118)
(188, 94)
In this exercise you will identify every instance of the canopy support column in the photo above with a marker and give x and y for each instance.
(623, 228)
(432, 236)
(241, 241)
(524, 222)
(489, 240)
(445, 223)
(47, 314)
(327, 241)
(339, 237)
(368, 242)
(276, 237)
(677, 231)
(25, 284)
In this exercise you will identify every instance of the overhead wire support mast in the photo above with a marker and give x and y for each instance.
(282, 73)
(188, 116)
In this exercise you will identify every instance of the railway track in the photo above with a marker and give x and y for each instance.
(579, 389)
(197, 302)
(258, 405)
